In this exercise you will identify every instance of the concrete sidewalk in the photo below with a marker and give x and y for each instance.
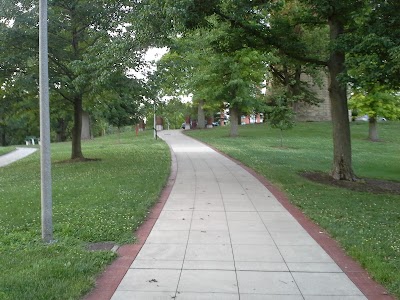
(223, 235)
(15, 155)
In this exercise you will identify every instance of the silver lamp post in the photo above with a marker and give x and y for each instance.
(45, 156)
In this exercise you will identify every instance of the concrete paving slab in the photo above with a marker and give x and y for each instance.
(257, 253)
(162, 252)
(325, 284)
(209, 265)
(207, 296)
(150, 280)
(269, 297)
(304, 254)
(267, 283)
(168, 237)
(129, 295)
(261, 266)
(157, 264)
(251, 238)
(209, 237)
(314, 267)
(247, 225)
(165, 224)
(208, 281)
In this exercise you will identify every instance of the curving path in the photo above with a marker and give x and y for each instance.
(223, 235)
(15, 155)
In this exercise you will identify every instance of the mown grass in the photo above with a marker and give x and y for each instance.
(93, 201)
(5, 150)
(366, 225)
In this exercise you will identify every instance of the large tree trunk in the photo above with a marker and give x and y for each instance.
(342, 165)
(77, 129)
(234, 116)
(61, 130)
(200, 115)
(373, 129)
(3, 141)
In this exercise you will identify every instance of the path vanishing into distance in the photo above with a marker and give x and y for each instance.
(15, 155)
(223, 235)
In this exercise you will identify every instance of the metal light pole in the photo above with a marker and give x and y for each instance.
(45, 158)
(155, 129)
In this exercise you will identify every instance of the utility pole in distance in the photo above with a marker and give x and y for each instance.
(45, 155)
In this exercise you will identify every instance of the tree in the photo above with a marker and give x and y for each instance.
(373, 104)
(281, 115)
(374, 58)
(124, 101)
(79, 50)
(19, 107)
(174, 112)
(216, 72)
(87, 44)
(268, 24)
(373, 63)
(338, 16)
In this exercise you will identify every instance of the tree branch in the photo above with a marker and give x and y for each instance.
(269, 40)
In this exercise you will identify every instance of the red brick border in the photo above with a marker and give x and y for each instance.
(359, 276)
(108, 281)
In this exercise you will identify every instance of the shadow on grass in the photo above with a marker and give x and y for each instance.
(368, 185)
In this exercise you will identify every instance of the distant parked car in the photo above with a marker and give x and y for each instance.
(215, 124)
(366, 118)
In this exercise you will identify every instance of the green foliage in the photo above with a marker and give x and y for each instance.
(376, 103)
(94, 201)
(87, 48)
(374, 57)
(366, 225)
(280, 110)
(124, 102)
(204, 70)
(173, 112)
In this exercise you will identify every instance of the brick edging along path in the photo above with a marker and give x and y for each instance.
(108, 281)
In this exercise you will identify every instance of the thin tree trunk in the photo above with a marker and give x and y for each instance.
(373, 129)
(200, 115)
(234, 116)
(342, 161)
(77, 129)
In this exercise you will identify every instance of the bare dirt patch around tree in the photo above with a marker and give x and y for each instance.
(369, 185)
(78, 160)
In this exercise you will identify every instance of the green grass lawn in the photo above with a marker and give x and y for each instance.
(5, 150)
(93, 201)
(366, 225)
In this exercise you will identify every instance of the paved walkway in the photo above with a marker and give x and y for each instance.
(223, 235)
(13, 156)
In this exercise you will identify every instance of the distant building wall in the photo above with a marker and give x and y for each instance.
(322, 112)
(86, 132)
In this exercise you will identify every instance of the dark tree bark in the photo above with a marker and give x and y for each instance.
(342, 161)
(234, 116)
(61, 130)
(77, 129)
(373, 129)
(3, 140)
(200, 115)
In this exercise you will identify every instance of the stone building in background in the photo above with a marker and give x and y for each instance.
(312, 113)
(86, 128)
